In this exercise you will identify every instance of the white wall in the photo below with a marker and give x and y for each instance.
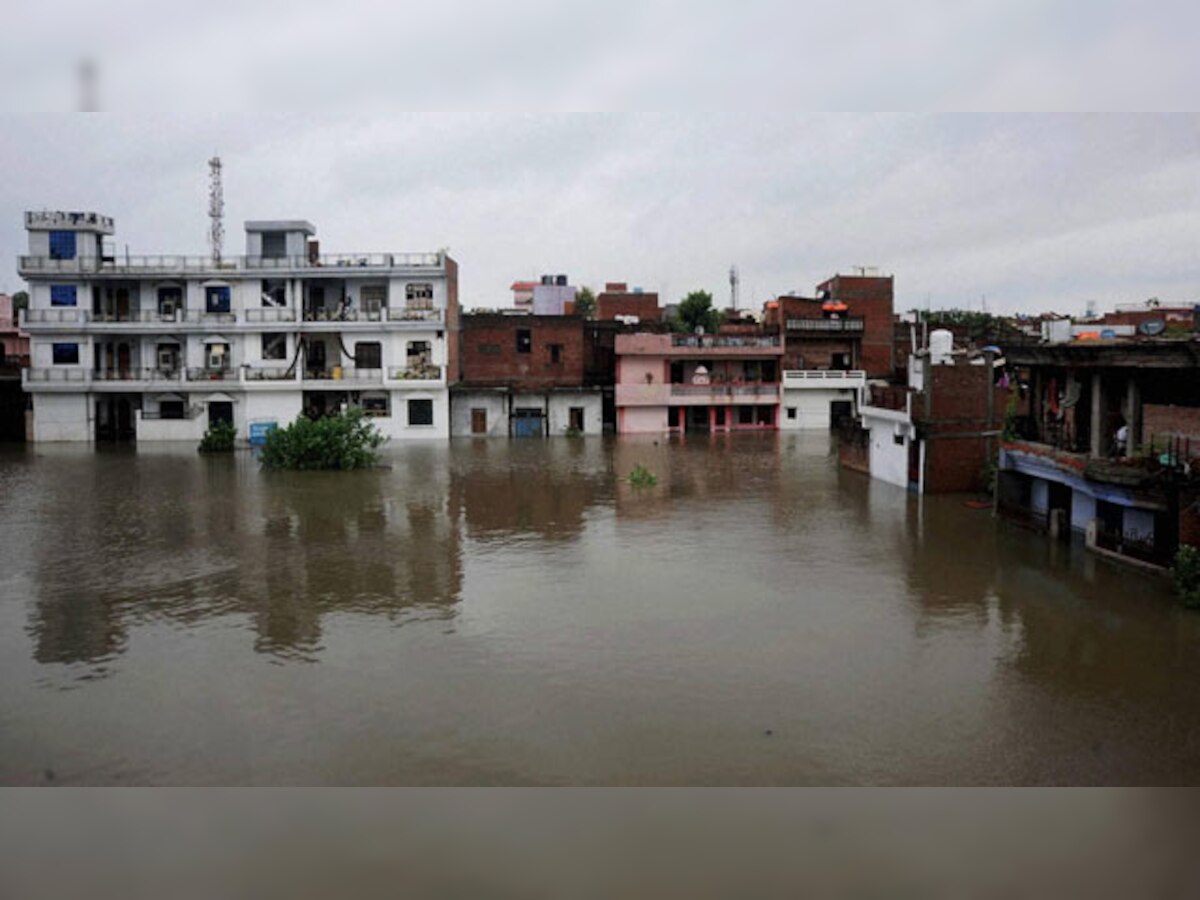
(889, 460)
(62, 417)
(1138, 523)
(813, 410)
(1083, 510)
(495, 403)
(396, 425)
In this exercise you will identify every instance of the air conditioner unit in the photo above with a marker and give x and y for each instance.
(167, 360)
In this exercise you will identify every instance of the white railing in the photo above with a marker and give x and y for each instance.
(59, 316)
(823, 378)
(183, 263)
(415, 373)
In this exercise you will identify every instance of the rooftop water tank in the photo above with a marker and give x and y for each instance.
(941, 345)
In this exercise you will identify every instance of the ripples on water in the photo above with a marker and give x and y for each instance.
(516, 612)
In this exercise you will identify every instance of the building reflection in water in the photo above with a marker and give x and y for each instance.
(169, 538)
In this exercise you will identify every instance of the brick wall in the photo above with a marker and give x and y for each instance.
(611, 304)
(956, 464)
(488, 345)
(817, 353)
(956, 448)
(872, 299)
(1161, 420)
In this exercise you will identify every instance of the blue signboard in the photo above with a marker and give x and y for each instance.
(259, 432)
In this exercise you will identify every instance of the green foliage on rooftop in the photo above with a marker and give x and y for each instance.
(696, 311)
(1186, 574)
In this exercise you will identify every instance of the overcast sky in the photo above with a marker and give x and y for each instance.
(1032, 212)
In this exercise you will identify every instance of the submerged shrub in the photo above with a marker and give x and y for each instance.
(219, 438)
(344, 441)
(1186, 573)
(642, 477)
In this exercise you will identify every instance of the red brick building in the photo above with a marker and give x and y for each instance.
(817, 334)
(528, 375)
(618, 300)
(871, 299)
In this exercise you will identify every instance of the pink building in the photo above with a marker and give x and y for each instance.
(702, 383)
(14, 343)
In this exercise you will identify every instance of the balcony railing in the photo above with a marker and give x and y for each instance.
(203, 317)
(726, 389)
(343, 315)
(189, 412)
(265, 374)
(205, 374)
(58, 219)
(57, 375)
(406, 314)
(63, 315)
(270, 314)
(344, 373)
(819, 377)
(137, 374)
(825, 325)
(415, 373)
(182, 263)
(705, 341)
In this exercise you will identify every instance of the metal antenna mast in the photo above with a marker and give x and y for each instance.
(733, 287)
(216, 209)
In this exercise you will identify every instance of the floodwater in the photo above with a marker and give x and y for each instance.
(495, 612)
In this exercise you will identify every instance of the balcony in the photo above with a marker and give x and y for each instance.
(205, 374)
(800, 379)
(341, 375)
(825, 326)
(724, 393)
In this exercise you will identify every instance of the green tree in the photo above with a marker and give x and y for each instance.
(696, 311)
(344, 441)
(585, 302)
(20, 300)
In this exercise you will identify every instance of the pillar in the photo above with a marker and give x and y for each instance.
(1133, 415)
(1097, 447)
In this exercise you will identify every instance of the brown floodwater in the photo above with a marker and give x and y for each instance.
(495, 612)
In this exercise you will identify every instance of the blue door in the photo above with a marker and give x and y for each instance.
(527, 423)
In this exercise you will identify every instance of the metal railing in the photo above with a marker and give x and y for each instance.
(51, 218)
(137, 374)
(705, 341)
(756, 389)
(824, 325)
(344, 373)
(265, 374)
(343, 315)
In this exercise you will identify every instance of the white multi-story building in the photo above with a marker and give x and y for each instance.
(158, 347)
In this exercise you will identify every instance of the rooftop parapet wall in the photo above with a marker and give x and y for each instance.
(692, 345)
(59, 220)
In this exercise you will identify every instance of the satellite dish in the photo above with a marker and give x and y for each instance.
(1152, 327)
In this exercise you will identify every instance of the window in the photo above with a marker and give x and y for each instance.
(898, 440)
(375, 405)
(274, 292)
(420, 412)
(373, 298)
(274, 244)
(217, 356)
(65, 354)
(555, 353)
(62, 295)
(791, 412)
(575, 416)
(216, 299)
(220, 411)
(170, 409)
(524, 340)
(274, 345)
(418, 296)
(62, 245)
(170, 299)
(368, 355)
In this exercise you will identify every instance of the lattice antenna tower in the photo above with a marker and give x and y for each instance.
(216, 209)
(734, 280)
